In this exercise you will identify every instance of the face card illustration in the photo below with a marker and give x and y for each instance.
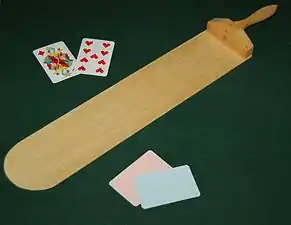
(94, 57)
(57, 61)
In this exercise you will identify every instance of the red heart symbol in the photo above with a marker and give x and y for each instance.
(100, 70)
(40, 52)
(89, 43)
(106, 45)
(84, 59)
(94, 56)
(86, 50)
(82, 68)
(101, 62)
(104, 52)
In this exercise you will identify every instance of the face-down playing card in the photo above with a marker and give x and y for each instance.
(124, 184)
(94, 56)
(57, 61)
(166, 186)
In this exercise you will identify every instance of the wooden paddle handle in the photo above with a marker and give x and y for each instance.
(256, 17)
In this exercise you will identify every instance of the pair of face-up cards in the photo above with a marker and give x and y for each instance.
(94, 58)
(151, 182)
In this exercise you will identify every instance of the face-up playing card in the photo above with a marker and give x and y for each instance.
(94, 57)
(57, 61)
(123, 183)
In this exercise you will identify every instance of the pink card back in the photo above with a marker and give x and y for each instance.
(123, 182)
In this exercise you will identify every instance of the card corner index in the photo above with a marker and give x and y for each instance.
(36, 50)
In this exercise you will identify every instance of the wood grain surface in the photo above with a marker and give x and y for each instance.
(59, 150)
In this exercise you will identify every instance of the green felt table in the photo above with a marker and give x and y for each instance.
(235, 134)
